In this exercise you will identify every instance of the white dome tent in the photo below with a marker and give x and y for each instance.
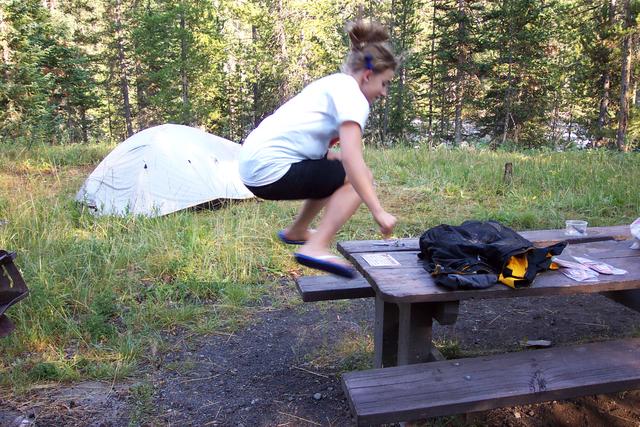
(164, 169)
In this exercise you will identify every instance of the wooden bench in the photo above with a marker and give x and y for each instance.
(420, 391)
(329, 288)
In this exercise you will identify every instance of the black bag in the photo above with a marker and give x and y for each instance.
(478, 254)
(12, 289)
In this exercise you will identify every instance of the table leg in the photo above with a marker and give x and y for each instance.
(446, 313)
(630, 298)
(414, 332)
(385, 334)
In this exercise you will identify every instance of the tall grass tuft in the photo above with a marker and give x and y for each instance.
(106, 292)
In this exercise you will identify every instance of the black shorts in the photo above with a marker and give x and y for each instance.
(308, 179)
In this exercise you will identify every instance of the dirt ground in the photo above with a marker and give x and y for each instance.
(283, 370)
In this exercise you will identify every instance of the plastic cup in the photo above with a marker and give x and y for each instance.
(575, 227)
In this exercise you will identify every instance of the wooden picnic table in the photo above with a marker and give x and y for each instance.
(407, 299)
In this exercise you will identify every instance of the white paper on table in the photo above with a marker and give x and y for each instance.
(580, 275)
(380, 260)
(569, 264)
(599, 266)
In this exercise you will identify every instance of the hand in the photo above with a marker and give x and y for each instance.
(386, 221)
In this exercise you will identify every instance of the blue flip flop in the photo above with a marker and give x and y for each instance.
(284, 239)
(321, 263)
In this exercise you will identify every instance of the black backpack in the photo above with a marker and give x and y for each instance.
(12, 289)
(479, 254)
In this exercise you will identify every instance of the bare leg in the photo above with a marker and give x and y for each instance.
(341, 206)
(299, 230)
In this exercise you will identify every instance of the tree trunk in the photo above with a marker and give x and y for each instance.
(507, 104)
(400, 116)
(404, 40)
(623, 119)
(570, 128)
(4, 33)
(141, 97)
(387, 105)
(459, 79)
(84, 125)
(71, 124)
(141, 80)
(554, 121)
(109, 115)
(507, 96)
(255, 85)
(443, 109)
(285, 87)
(6, 53)
(124, 80)
(507, 177)
(433, 72)
(603, 114)
(186, 113)
(604, 101)
(635, 98)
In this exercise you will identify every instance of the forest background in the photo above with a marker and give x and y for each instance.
(516, 73)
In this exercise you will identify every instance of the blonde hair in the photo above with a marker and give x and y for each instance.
(370, 49)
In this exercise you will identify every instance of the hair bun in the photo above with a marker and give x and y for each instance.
(362, 33)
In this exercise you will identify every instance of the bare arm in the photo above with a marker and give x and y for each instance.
(360, 176)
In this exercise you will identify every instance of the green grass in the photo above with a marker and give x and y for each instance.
(448, 348)
(106, 290)
(142, 395)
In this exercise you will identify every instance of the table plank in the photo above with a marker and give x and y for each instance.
(538, 237)
(409, 282)
(329, 287)
(610, 250)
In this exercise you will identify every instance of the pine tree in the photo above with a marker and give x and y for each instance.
(47, 86)
(516, 66)
(630, 30)
(399, 107)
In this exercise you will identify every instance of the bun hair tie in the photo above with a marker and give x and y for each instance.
(368, 61)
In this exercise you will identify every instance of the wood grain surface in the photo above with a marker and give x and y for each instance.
(425, 390)
(410, 282)
(537, 237)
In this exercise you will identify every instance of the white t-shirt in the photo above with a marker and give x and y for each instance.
(302, 128)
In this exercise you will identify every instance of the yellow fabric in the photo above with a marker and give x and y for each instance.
(514, 272)
(518, 265)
